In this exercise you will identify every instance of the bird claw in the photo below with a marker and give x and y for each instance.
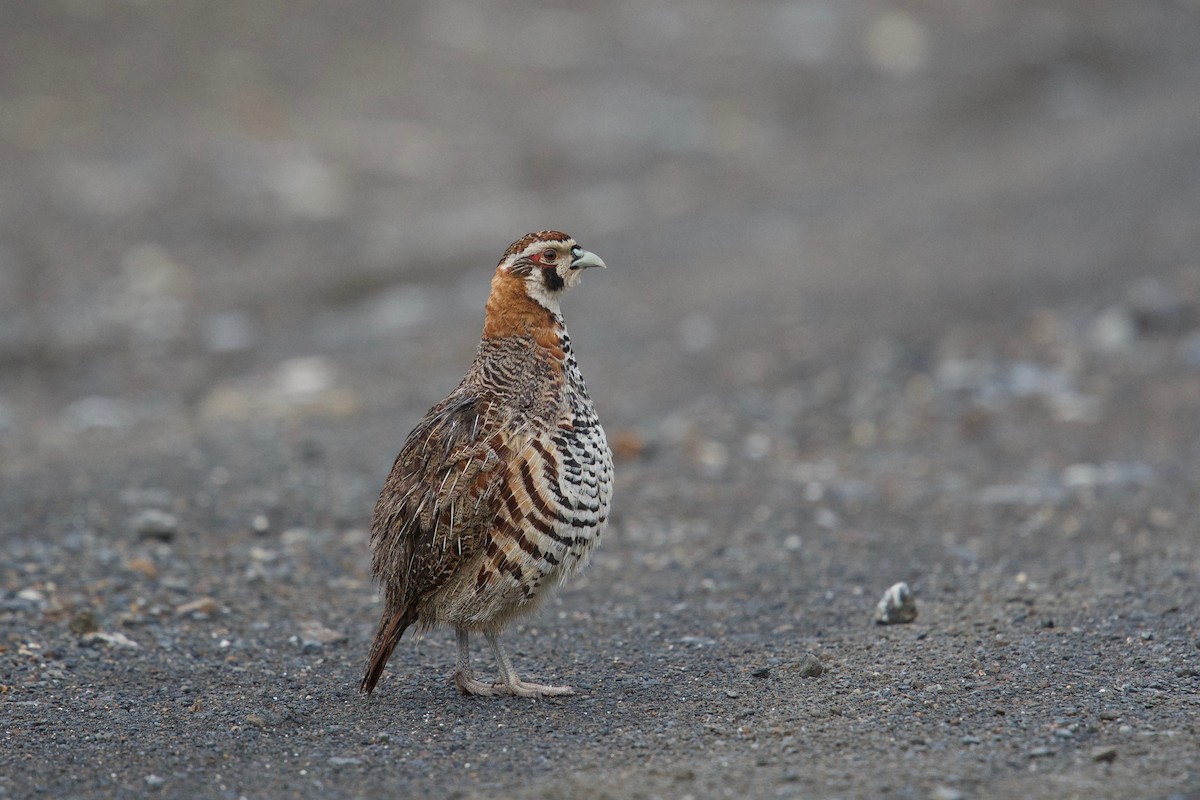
(522, 689)
(469, 685)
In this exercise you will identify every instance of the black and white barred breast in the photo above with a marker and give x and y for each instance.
(554, 486)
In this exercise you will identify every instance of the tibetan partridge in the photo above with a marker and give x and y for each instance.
(502, 489)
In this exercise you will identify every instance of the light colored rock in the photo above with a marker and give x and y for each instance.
(809, 666)
(314, 636)
(1113, 331)
(106, 639)
(897, 606)
(150, 523)
(203, 606)
(946, 793)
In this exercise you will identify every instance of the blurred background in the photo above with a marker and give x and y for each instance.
(897, 291)
(196, 192)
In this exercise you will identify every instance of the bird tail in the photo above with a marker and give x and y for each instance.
(391, 628)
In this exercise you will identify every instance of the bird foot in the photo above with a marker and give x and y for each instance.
(468, 684)
(522, 689)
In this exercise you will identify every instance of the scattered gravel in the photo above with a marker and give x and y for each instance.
(894, 290)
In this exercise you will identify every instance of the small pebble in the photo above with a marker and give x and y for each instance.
(897, 606)
(305, 377)
(83, 622)
(155, 781)
(1113, 330)
(143, 566)
(199, 608)
(1105, 754)
(765, 672)
(150, 523)
(257, 720)
(945, 793)
(1157, 308)
(314, 636)
(810, 666)
(34, 597)
(826, 518)
(1041, 752)
(344, 761)
(102, 638)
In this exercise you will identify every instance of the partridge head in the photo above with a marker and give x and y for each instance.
(531, 276)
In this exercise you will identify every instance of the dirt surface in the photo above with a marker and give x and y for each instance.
(904, 292)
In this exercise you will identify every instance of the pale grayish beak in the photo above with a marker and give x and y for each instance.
(586, 259)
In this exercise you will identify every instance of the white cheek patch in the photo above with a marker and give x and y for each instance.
(536, 286)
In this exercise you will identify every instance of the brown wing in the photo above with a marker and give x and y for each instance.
(439, 500)
(436, 507)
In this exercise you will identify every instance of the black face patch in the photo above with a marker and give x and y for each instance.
(553, 280)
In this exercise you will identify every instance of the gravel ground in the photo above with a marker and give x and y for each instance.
(897, 293)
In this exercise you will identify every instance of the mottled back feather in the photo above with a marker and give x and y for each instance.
(439, 500)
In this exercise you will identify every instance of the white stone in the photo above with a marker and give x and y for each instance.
(897, 606)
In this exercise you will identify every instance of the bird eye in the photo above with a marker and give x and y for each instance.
(550, 254)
